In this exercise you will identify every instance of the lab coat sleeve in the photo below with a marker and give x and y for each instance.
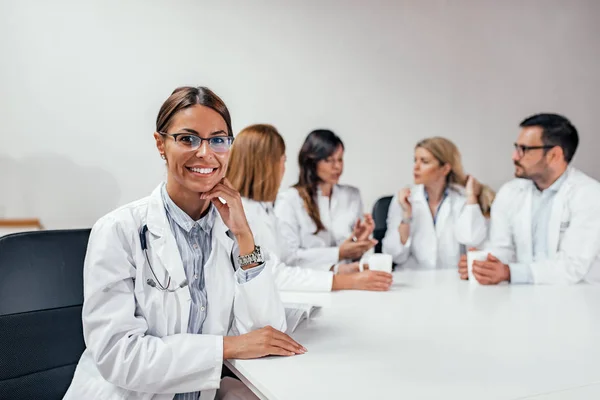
(391, 243)
(322, 258)
(257, 303)
(359, 210)
(579, 246)
(289, 277)
(500, 243)
(116, 333)
(302, 279)
(470, 228)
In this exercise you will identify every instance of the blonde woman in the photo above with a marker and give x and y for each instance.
(442, 215)
(256, 168)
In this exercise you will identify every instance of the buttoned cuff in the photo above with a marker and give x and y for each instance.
(244, 276)
(520, 273)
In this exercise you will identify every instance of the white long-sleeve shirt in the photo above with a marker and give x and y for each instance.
(305, 247)
(435, 245)
(265, 227)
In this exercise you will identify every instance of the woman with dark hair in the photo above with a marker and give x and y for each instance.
(256, 168)
(167, 278)
(322, 221)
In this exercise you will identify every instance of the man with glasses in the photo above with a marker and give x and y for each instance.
(545, 227)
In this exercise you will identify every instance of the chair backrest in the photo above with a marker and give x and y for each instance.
(41, 295)
(380, 212)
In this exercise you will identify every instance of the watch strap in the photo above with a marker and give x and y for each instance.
(256, 257)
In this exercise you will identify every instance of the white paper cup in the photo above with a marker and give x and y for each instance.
(472, 256)
(377, 262)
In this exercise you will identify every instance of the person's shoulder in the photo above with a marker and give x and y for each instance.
(349, 190)
(249, 203)
(582, 185)
(457, 191)
(253, 209)
(288, 195)
(513, 186)
(582, 179)
(125, 215)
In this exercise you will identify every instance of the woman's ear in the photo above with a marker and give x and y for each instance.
(160, 145)
(446, 169)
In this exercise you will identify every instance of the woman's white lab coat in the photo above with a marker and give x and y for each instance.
(573, 240)
(439, 246)
(338, 214)
(265, 227)
(137, 345)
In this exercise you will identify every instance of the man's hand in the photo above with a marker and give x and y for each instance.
(491, 272)
(463, 267)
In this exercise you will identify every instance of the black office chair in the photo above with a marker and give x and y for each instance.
(41, 295)
(380, 212)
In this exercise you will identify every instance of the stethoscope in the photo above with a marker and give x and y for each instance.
(155, 283)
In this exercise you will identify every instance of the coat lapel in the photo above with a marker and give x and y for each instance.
(556, 215)
(445, 211)
(161, 239)
(524, 223)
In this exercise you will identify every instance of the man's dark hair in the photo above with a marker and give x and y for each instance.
(556, 131)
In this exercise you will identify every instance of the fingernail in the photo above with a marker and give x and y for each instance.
(292, 353)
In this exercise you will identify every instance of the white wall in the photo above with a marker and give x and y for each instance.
(81, 83)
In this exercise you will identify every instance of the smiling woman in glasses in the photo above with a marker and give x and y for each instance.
(174, 283)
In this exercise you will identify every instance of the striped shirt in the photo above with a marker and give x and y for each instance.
(194, 241)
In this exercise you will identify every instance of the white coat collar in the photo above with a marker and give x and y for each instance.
(565, 178)
(334, 190)
(163, 241)
(418, 192)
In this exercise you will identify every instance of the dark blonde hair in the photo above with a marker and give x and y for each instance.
(446, 152)
(254, 162)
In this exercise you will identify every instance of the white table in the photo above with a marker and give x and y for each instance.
(436, 337)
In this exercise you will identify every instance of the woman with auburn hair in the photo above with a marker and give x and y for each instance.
(322, 221)
(442, 215)
(256, 168)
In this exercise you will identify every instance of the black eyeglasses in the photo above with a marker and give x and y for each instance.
(219, 144)
(522, 149)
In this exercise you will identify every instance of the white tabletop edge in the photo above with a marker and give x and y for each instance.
(261, 393)
(551, 394)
